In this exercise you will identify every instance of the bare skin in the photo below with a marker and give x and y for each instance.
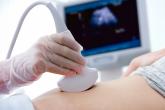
(131, 93)
(144, 60)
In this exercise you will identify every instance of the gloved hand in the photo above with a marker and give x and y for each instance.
(57, 53)
(144, 60)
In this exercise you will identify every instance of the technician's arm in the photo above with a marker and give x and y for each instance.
(56, 53)
(4, 75)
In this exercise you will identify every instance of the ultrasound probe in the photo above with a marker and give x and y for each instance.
(80, 82)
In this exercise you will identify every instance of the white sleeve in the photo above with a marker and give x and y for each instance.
(16, 102)
(154, 75)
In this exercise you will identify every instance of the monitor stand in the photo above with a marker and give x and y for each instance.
(110, 74)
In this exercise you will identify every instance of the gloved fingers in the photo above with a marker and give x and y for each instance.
(65, 52)
(72, 55)
(66, 41)
(59, 70)
(64, 62)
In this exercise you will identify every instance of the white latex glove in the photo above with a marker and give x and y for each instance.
(56, 53)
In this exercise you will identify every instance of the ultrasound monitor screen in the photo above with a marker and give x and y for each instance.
(104, 26)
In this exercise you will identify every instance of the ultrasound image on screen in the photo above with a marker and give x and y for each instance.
(104, 25)
(103, 17)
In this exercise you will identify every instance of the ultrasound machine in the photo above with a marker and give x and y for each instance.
(112, 32)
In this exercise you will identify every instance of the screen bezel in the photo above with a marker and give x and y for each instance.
(143, 29)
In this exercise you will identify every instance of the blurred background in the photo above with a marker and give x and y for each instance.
(39, 22)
